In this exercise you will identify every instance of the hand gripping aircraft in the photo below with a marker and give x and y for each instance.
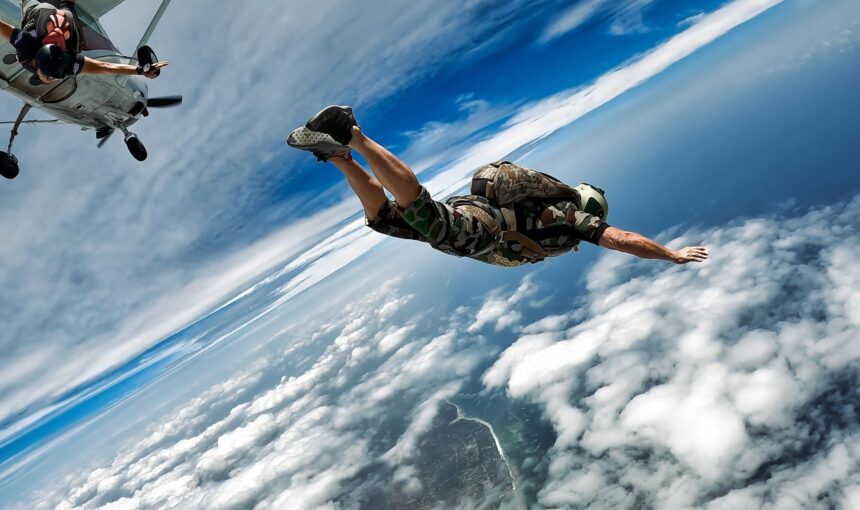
(100, 102)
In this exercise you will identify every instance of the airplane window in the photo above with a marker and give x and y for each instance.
(47, 93)
(93, 36)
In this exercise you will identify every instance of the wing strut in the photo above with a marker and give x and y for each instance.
(24, 111)
(153, 24)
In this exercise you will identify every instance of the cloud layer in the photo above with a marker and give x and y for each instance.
(624, 17)
(730, 385)
(354, 417)
(726, 385)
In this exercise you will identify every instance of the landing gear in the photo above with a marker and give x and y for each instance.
(8, 162)
(132, 141)
(135, 147)
(8, 165)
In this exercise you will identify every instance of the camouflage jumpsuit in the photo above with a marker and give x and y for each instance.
(510, 235)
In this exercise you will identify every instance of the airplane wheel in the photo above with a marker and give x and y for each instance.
(8, 165)
(135, 147)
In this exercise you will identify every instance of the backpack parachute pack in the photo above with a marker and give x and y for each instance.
(504, 183)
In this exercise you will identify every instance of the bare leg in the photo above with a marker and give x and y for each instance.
(393, 174)
(367, 188)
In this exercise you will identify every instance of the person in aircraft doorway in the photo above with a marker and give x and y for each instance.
(49, 41)
(513, 216)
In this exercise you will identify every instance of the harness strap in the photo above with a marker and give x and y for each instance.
(539, 234)
(567, 230)
(520, 215)
(531, 248)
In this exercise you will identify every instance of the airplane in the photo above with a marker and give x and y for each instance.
(102, 103)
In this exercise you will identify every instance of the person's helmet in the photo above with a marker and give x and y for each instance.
(593, 200)
(52, 61)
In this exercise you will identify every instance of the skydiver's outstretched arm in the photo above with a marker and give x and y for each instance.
(393, 174)
(368, 189)
(640, 246)
(93, 66)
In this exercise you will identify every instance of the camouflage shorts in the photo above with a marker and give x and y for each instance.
(449, 227)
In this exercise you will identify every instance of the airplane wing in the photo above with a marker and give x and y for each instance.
(98, 8)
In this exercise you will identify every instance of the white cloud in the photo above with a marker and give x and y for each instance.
(503, 311)
(421, 421)
(435, 142)
(571, 19)
(628, 17)
(301, 442)
(691, 20)
(550, 323)
(673, 414)
(740, 390)
(625, 17)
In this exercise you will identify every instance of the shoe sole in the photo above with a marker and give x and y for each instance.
(323, 146)
(313, 141)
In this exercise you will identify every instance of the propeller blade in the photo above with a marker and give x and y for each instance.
(164, 102)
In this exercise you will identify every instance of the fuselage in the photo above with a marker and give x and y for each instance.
(90, 101)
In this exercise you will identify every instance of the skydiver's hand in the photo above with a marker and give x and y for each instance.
(155, 70)
(44, 77)
(690, 254)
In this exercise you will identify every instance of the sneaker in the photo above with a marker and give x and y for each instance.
(336, 121)
(323, 146)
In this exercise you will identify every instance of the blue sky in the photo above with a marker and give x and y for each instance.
(108, 261)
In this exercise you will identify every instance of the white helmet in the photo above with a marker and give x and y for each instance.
(593, 201)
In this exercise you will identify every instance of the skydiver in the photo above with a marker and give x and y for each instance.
(514, 215)
(48, 44)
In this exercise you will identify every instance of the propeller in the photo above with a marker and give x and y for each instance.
(164, 102)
